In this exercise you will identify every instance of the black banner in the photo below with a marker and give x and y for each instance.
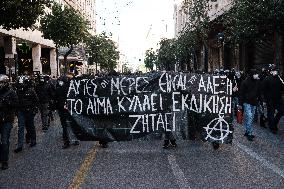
(127, 107)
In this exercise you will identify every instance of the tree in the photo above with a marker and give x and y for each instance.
(185, 45)
(198, 19)
(65, 27)
(196, 31)
(102, 51)
(166, 55)
(182, 49)
(21, 13)
(250, 20)
(150, 59)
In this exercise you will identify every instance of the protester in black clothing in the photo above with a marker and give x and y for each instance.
(61, 106)
(52, 83)
(262, 104)
(44, 93)
(8, 103)
(27, 109)
(272, 89)
(60, 103)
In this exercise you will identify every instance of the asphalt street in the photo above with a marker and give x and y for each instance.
(144, 164)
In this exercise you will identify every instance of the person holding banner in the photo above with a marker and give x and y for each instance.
(60, 100)
(60, 104)
(249, 98)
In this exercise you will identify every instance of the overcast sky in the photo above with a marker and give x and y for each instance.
(136, 25)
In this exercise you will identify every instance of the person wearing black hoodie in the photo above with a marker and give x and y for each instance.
(272, 91)
(249, 98)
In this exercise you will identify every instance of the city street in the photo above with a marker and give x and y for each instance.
(144, 74)
(144, 164)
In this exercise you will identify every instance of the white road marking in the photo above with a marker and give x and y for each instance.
(181, 179)
(264, 162)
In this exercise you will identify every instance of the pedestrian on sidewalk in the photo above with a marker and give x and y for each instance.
(27, 109)
(249, 98)
(8, 103)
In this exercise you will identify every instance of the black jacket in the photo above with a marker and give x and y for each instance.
(61, 94)
(8, 104)
(28, 100)
(44, 92)
(250, 91)
(272, 89)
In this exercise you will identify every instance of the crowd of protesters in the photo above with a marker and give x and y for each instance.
(260, 96)
(25, 98)
(253, 93)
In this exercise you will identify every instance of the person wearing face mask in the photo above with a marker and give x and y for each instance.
(249, 98)
(272, 91)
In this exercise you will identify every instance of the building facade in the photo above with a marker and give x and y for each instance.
(26, 51)
(181, 19)
(220, 54)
